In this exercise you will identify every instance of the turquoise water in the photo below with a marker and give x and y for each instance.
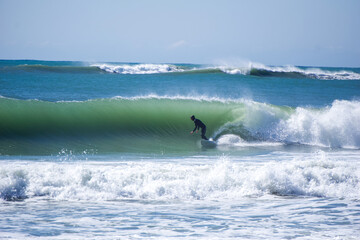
(69, 81)
(104, 150)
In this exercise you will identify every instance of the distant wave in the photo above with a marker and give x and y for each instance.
(128, 124)
(252, 69)
(56, 69)
(293, 72)
(139, 68)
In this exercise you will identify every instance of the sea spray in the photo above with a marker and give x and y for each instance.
(335, 126)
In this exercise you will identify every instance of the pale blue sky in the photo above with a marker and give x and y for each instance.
(278, 32)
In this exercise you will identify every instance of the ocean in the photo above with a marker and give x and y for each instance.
(104, 151)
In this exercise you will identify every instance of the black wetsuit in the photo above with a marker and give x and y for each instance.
(200, 124)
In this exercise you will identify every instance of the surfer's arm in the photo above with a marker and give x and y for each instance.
(196, 128)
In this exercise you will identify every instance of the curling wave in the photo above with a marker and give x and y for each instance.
(138, 123)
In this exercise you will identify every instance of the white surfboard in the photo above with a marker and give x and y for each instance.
(208, 143)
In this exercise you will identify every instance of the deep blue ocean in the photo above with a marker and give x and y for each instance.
(104, 151)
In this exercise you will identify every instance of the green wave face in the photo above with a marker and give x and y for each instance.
(162, 124)
(110, 124)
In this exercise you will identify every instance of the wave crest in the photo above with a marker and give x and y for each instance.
(249, 68)
(138, 68)
(292, 72)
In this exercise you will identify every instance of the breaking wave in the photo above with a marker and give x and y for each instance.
(293, 72)
(253, 69)
(138, 123)
(139, 68)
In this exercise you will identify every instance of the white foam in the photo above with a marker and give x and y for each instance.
(315, 175)
(334, 126)
(231, 140)
(243, 68)
(330, 75)
(138, 68)
(13, 184)
(191, 97)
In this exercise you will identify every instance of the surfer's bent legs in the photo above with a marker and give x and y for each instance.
(203, 131)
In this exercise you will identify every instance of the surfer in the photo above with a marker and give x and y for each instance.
(199, 124)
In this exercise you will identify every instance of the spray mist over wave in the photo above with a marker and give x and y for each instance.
(336, 126)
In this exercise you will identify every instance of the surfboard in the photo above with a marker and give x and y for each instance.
(208, 143)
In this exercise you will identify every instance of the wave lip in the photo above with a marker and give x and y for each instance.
(138, 68)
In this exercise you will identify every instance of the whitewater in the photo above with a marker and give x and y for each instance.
(104, 151)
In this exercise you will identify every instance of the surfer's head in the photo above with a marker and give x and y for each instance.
(192, 117)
